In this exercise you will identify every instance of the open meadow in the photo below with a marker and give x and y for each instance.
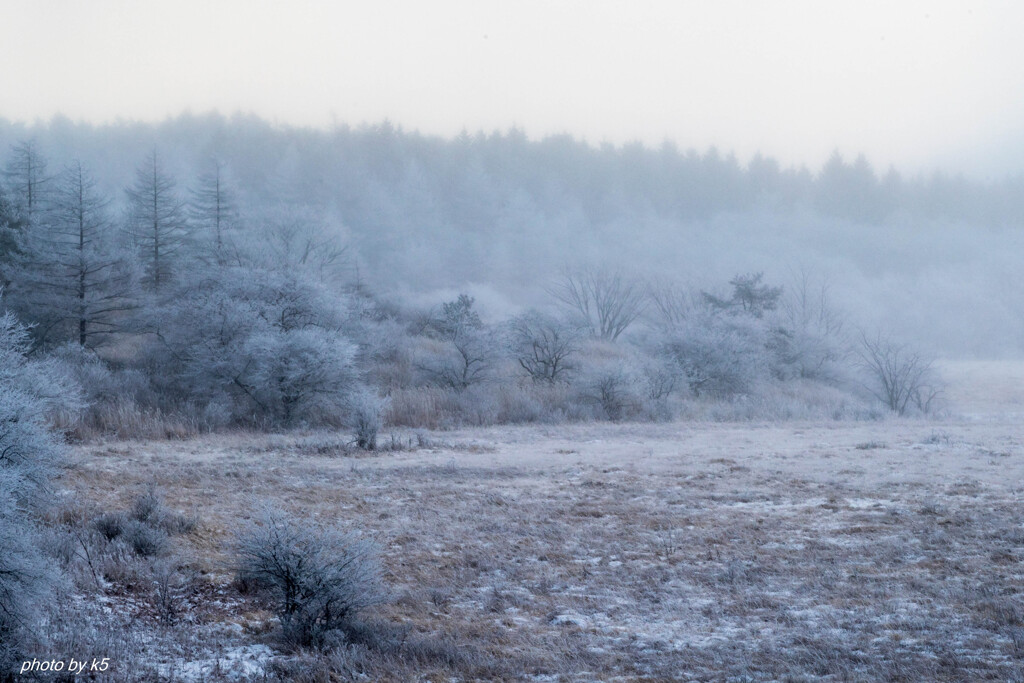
(886, 550)
(480, 341)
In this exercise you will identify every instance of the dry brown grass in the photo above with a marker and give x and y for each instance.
(700, 552)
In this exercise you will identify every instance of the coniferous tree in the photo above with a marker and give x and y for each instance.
(27, 178)
(10, 232)
(77, 279)
(212, 210)
(157, 221)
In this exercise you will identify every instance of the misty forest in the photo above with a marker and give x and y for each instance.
(283, 403)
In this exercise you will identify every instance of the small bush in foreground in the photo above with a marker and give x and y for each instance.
(320, 579)
(366, 419)
(145, 540)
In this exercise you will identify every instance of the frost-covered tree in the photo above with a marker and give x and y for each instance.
(465, 352)
(303, 373)
(213, 210)
(78, 280)
(544, 346)
(255, 344)
(300, 240)
(719, 355)
(157, 221)
(749, 296)
(11, 231)
(29, 391)
(606, 301)
(897, 375)
(27, 178)
(809, 341)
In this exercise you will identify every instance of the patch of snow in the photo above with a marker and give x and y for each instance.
(570, 619)
(234, 664)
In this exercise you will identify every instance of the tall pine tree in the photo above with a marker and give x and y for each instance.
(77, 280)
(27, 178)
(212, 209)
(157, 222)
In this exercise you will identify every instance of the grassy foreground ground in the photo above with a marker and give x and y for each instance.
(884, 550)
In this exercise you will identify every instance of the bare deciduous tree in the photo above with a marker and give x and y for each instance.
(898, 376)
(467, 353)
(809, 305)
(815, 342)
(302, 242)
(607, 301)
(544, 347)
(673, 305)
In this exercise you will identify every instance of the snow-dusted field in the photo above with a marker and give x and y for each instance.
(884, 550)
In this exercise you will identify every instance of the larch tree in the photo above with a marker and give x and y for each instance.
(10, 233)
(27, 178)
(157, 221)
(79, 280)
(212, 209)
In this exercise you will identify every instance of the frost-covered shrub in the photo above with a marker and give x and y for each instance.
(259, 346)
(147, 506)
(300, 375)
(365, 418)
(145, 540)
(609, 383)
(719, 355)
(110, 524)
(805, 354)
(112, 397)
(319, 579)
(808, 339)
(29, 391)
(612, 390)
(387, 354)
(25, 578)
(145, 528)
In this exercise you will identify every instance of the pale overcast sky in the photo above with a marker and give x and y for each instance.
(916, 84)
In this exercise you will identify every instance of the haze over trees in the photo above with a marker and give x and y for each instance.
(208, 275)
(499, 216)
(225, 272)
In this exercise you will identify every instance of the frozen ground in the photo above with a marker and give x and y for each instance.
(842, 551)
